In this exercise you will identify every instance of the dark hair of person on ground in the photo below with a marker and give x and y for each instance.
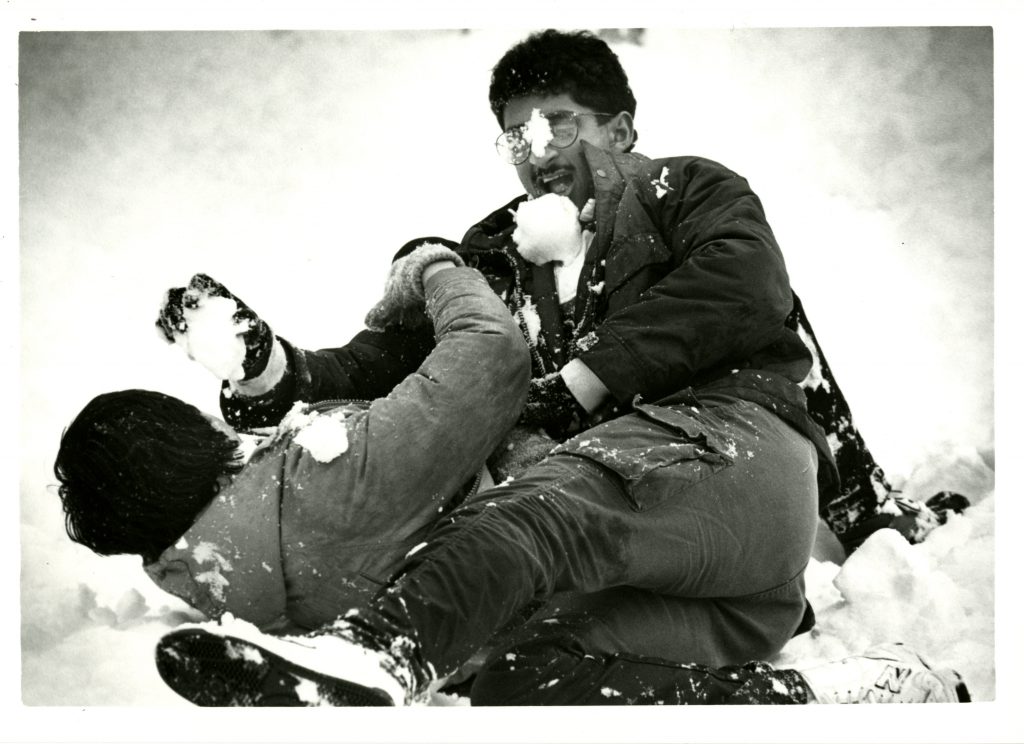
(136, 468)
(552, 62)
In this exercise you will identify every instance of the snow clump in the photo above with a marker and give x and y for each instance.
(207, 552)
(530, 319)
(213, 336)
(538, 132)
(548, 229)
(324, 437)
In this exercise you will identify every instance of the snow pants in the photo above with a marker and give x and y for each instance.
(680, 535)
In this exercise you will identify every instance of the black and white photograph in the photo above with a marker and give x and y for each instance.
(598, 361)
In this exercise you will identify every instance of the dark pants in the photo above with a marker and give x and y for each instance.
(863, 502)
(686, 529)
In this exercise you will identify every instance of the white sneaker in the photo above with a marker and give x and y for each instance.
(890, 673)
(237, 665)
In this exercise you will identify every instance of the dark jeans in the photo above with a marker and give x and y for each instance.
(859, 507)
(686, 529)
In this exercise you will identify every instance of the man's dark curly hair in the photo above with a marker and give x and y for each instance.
(552, 62)
(136, 468)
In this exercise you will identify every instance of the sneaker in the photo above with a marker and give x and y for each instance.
(890, 673)
(211, 668)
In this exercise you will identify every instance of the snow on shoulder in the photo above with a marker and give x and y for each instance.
(323, 435)
(548, 229)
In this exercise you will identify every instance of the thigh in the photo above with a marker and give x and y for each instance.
(722, 501)
(716, 632)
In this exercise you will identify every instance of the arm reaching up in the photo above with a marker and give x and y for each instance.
(219, 331)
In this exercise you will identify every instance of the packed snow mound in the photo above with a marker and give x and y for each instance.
(937, 597)
(548, 229)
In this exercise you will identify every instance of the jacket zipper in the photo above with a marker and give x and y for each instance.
(335, 403)
(476, 482)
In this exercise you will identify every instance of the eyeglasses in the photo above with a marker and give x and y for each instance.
(515, 143)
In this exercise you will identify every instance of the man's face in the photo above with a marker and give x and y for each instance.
(559, 170)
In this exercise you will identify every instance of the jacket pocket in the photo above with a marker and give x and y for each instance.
(658, 453)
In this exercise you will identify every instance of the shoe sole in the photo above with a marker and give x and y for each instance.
(221, 671)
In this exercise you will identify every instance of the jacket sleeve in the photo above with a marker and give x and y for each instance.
(437, 427)
(365, 368)
(723, 292)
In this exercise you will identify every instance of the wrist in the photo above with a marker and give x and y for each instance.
(430, 269)
(272, 374)
(585, 386)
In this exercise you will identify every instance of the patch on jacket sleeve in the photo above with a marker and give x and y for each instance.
(660, 184)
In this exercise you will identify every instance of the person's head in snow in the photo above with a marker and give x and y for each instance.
(552, 92)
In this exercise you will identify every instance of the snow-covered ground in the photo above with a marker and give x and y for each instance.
(290, 166)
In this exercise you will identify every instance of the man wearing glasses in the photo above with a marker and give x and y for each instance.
(674, 528)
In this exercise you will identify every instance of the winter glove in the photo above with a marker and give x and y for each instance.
(550, 404)
(945, 502)
(523, 447)
(183, 305)
(403, 302)
(914, 519)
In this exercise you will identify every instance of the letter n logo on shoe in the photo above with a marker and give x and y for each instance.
(892, 678)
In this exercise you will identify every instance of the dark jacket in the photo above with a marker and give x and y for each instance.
(684, 292)
(302, 534)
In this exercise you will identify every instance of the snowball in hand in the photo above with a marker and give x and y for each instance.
(548, 229)
(213, 336)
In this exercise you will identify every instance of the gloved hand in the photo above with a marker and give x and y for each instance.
(403, 302)
(184, 303)
(550, 404)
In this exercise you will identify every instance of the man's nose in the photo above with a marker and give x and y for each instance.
(539, 161)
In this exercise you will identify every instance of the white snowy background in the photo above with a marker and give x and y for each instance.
(291, 165)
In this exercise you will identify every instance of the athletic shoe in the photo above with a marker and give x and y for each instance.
(213, 667)
(890, 673)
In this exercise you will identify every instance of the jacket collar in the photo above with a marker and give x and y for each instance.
(610, 172)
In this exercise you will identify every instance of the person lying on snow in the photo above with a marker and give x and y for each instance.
(628, 276)
(338, 497)
(317, 519)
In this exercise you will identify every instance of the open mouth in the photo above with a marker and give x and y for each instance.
(556, 182)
